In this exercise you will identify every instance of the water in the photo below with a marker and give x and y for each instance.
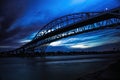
(50, 68)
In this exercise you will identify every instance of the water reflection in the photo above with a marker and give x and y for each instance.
(49, 68)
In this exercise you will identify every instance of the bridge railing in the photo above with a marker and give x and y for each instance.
(64, 21)
(68, 20)
(95, 26)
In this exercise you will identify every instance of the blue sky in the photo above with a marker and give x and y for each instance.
(20, 20)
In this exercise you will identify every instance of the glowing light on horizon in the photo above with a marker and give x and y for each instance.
(88, 41)
(63, 42)
(80, 46)
(57, 43)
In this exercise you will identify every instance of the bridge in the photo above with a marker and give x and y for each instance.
(70, 25)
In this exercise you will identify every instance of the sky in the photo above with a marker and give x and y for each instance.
(20, 20)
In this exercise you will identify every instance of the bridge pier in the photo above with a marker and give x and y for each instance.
(41, 49)
(30, 50)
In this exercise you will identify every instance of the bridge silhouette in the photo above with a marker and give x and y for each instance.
(70, 25)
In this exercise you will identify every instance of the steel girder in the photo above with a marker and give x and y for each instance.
(72, 24)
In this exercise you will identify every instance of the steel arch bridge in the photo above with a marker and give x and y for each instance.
(69, 25)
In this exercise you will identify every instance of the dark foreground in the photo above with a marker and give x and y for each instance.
(112, 72)
(79, 67)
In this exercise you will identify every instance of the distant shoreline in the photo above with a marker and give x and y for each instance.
(69, 56)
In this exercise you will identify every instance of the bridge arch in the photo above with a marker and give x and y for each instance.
(72, 24)
(64, 21)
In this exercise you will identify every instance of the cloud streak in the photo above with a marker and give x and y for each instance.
(21, 19)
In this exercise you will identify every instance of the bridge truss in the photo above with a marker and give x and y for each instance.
(69, 25)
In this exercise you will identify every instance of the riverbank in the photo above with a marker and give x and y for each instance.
(112, 72)
(53, 67)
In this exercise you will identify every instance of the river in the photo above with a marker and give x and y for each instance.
(52, 67)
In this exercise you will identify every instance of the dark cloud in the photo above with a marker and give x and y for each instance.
(10, 11)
